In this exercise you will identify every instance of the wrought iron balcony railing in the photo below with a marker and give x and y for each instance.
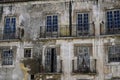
(18, 34)
(64, 31)
(84, 30)
(105, 30)
(57, 71)
(85, 69)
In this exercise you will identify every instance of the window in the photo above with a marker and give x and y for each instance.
(51, 60)
(52, 23)
(113, 21)
(32, 77)
(83, 23)
(83, 58)
(114, 53)
(7, 57)
(27, 52)
(10, 28)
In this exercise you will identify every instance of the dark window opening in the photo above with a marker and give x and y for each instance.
(27, 53)
(51, 60)
(32, 77)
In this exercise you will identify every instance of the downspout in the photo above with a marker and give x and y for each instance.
(70, 17)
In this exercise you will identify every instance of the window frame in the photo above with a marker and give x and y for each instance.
(13, 27)
(113, 21)
(83, 53)
(90, 29)
(114, 53)
(31, 51)
(83, 20)
(52, 20)
(50, 55)
(90, 46)
(7, 57)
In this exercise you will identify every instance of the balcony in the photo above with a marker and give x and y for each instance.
(84, 30)
(91, 70)
(64, 32)
(113, 30)
(11, 35)
(58, 70)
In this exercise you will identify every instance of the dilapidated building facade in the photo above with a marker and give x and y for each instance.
(59, 40)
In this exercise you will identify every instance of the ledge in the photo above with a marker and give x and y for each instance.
(89, 73)
(10, 40)
(50, 73)
(109, 35)
(66, 38)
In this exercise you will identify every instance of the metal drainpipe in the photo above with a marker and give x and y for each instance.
(70, 17)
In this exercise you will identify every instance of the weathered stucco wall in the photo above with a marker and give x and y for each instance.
(31, 15)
